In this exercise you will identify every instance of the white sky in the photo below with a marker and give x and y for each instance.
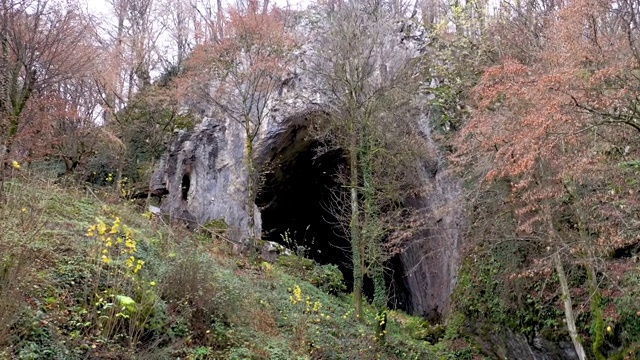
(99, 7)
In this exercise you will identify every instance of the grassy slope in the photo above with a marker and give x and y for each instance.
(191, 299)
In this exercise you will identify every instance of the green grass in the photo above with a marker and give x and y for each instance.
(192, 299)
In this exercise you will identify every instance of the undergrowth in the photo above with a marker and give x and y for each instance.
(83, 278)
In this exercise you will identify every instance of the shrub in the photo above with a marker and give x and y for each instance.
(296, 265)
(12, 269)
(196, 292)
(329, 278)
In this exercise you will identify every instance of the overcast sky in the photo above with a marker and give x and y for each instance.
(100, 7)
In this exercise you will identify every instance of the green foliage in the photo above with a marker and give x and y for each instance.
(203, 296)
(421, 329)
(239, 354)
(628, 309)
(216, 225)
(37, 341)
(187, 299)
(328, 278)
(478, 293)
(145, 126)
(456, 67)
(633, 164)
(455, 322)
(296, 265)
(12, 267)
(490, 292)
(215, 229)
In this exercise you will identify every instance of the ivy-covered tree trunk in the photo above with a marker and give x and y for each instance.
(252, 188)
(371, 231)
(354, 227)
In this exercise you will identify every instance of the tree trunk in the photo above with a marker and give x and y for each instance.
(219, 20)
(252, 189)
(596, 312)
(568, 307)
(354, 228)
(371, 234)
(597, 316)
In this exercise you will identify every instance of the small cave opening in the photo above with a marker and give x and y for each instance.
(185, 185)
(296, 204)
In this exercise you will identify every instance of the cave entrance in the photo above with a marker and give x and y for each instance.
(295, 203)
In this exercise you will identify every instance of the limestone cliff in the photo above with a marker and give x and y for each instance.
(205, 177)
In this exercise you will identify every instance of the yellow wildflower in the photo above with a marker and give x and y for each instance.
(102, 227)
(138, 266)
(116, 226)
(297, 292)
(91, 231)
(16, 165)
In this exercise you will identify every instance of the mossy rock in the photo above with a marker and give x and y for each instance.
(296, 265)
(328, 278)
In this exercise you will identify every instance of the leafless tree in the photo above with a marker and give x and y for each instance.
(41, 45)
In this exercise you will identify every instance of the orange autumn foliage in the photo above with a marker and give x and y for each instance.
(560, 128)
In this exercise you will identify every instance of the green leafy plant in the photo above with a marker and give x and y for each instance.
(328, 278)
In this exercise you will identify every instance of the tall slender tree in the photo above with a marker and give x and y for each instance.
(244, 71)
(370, 84)
(553, 124)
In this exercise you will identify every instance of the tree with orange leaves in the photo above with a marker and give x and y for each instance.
(561, 129)
(243, 73)
(41, 45)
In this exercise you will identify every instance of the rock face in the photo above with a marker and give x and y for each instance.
(200, 176)
(204, 175)
(431, 260)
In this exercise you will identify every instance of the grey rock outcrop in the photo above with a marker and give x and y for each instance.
(201, 173)
(205, 175)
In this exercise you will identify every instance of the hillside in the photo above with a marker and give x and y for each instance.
(471, 163)
(85, 278)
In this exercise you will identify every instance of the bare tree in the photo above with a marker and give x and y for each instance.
(42, 44)
(370, 83)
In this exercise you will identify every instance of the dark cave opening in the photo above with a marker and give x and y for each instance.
(295, 202)
(185, 186)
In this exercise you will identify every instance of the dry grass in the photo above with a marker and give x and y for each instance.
(12, 280)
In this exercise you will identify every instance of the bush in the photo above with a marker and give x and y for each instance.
(328, 278)
(11, 280)
(196, 292)
(420, 329)
(296, 265)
